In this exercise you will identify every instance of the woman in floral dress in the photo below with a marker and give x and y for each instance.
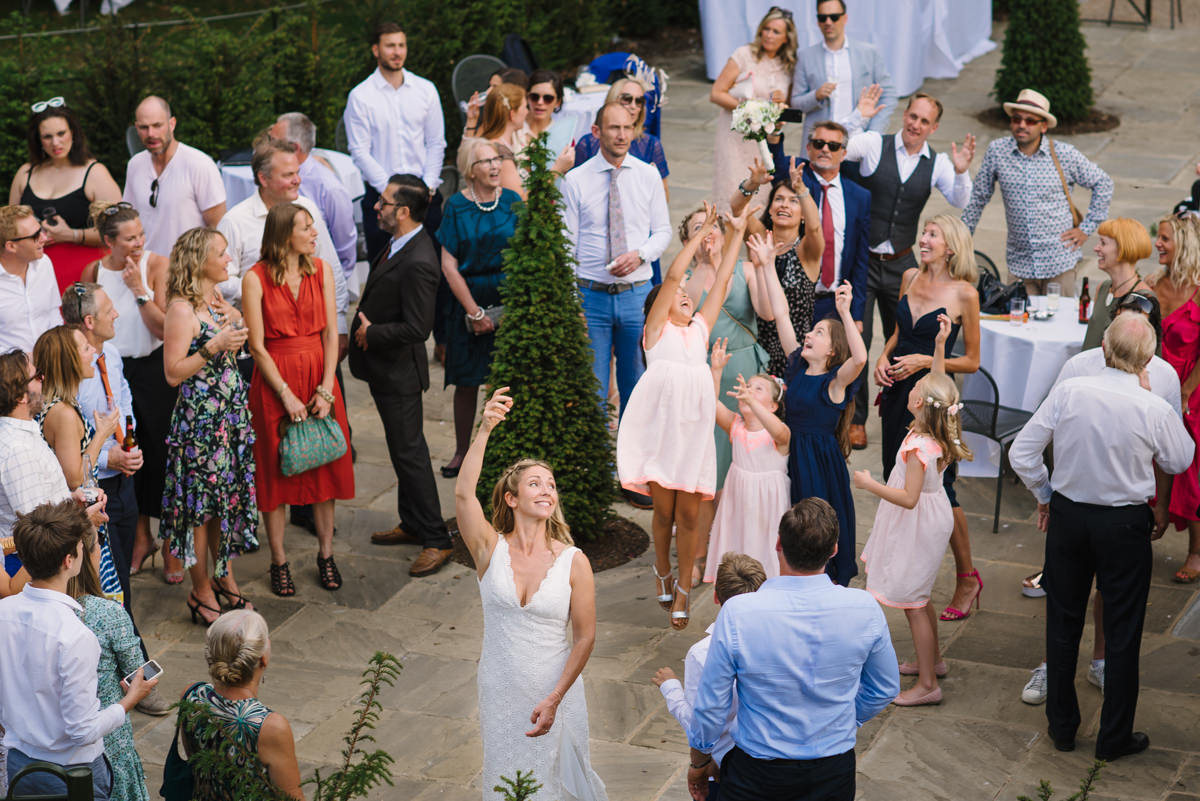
(209, 503)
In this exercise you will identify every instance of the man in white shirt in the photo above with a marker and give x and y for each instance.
(394, 125)
(830, 76)
(614, 255)
(277, 173)
(173, 186)
(28, 289)
(49, 659)
(1097, 521)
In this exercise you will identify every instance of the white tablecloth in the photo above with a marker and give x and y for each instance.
(1024, 360)
(579, 112)
(919, 39)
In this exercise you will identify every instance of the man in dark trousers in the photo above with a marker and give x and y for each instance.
(387, 350)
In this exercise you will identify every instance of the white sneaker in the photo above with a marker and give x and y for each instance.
(1096, 674)
(1035, 690)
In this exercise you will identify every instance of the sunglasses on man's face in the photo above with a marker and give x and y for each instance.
(34, 235)
(822, 144)
(823, 18)
(628, 99)
(1018, 119)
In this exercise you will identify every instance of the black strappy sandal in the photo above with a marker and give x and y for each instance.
(327, 573)
(281, 580)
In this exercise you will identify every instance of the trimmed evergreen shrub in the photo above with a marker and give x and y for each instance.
(542, 354)
(1044, 50)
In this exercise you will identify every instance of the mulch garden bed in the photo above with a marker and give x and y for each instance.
(1096, 122)
(620, 541)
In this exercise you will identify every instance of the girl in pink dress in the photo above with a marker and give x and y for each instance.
(914, 521)
(664, 443)
(756, 491)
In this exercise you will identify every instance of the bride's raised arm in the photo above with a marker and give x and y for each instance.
(473, 525)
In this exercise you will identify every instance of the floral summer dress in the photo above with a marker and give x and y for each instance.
(800, 292)
(237, 724)
(210, 461)
(110, 583)
(120, 655)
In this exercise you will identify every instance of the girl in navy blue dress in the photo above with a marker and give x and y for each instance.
(819, 405)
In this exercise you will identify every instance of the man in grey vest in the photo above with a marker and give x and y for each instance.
(900, 171)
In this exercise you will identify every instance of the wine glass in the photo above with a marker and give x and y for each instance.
(244, 352)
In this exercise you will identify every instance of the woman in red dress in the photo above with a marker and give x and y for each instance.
(1178, 291)
(287, 299)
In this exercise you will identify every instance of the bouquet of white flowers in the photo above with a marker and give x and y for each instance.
(755, 120)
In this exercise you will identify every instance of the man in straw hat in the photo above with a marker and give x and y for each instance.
(1035, 173)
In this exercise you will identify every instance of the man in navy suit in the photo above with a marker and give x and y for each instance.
(845, 217)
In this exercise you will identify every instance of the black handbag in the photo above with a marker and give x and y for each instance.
(177, 783)
(994, 296)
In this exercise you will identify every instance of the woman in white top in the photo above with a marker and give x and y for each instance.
(135, 280)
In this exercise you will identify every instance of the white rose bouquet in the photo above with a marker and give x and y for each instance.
(755, 120)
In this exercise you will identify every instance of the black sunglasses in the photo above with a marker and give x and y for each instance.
(35, 377)
(823, 18)
(534, 97)
(154, 194)
(34, 235)
(821, 144)
(627, 98)
(1137, 302)
(783, 12)
(117, 207)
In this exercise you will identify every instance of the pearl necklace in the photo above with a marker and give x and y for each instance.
(481, 206)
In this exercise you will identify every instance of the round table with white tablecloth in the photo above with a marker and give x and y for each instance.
(1025, 361)
(918, 39)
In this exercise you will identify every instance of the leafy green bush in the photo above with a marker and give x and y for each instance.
(542, 354)
(1044, 50)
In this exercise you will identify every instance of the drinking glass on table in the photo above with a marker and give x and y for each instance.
(1053, 293)
(1016, 311)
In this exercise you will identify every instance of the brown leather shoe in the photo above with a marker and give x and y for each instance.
(429, 561)
(395, 536)
(858, 437)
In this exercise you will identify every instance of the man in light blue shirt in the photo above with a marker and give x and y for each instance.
(810, 662)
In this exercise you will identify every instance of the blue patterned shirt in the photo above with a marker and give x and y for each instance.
(1035, 206)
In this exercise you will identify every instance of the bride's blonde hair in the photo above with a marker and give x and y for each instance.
(503, 518)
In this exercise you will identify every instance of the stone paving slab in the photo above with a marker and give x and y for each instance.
(981, 742)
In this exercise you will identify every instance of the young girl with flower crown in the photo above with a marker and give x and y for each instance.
(914, 521)
(665, 445)
(756, 486)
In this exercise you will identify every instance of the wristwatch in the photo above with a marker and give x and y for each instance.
(142, 300)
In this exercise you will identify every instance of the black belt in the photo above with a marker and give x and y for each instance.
(611, 289)
(892, 256)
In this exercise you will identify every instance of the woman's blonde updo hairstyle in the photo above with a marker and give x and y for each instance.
(503, 518)
(235, 645)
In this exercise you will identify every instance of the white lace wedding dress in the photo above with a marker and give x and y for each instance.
(524, 651)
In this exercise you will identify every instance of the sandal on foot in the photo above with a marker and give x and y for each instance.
(951, 613)
(281, 580)
(327, 573)
(680, 618)
(1185, 575)
(194, 606)
(235, 600)
(666, 586)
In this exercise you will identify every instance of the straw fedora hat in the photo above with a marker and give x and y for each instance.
(1034, 103)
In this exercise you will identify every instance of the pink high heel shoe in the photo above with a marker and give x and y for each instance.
(950, 613)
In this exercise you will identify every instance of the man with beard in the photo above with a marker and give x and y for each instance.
(173, 186)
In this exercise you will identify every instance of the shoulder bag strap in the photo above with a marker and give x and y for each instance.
(1076, 217)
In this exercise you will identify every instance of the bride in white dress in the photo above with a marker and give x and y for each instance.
(533, 581)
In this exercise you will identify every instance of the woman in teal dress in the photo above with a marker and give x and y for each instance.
(476, 226)
(737, 323)
(209, 503)
(225, 716)
(120, 655)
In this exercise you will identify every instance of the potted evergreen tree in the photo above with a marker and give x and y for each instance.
(1044, 50)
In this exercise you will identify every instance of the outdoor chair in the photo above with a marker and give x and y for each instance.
(77, 778)
(471, 75)
(984, 262)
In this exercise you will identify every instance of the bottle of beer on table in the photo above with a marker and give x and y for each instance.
(1085, 299)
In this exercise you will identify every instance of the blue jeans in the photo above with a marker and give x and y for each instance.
(46, 784)
(616, 321)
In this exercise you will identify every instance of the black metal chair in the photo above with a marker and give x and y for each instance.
(998, 423)
(78, 780)
(984, 261)
(471, 75)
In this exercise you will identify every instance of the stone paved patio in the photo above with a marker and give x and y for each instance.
(982, 743)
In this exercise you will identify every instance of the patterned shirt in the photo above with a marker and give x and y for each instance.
(30, 475)
(1035, 206)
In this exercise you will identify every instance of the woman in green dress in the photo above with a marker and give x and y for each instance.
(120, 655)
(476, 226)
(736, 323)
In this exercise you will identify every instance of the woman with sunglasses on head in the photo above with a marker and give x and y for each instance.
(59, 181)
(1123, 243)
(760, 70)
(1177, 287)
(136, 281)
(476, 227)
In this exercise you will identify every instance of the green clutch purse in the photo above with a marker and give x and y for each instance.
(306, 445)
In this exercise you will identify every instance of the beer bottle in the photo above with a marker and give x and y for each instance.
(1085, 299)
(130, 442)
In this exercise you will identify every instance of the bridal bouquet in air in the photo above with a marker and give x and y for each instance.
(755, 120)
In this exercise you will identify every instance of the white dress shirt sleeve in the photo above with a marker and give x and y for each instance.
(867, 149)
(1175, 448)
(231, 287)
(956, 187)
(435, 143)
(358, 140)
(660, 224)
(570, 213)
(1025, 454)
(84, 721)
(327, 253)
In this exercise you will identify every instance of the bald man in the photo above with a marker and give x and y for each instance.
(173, 186)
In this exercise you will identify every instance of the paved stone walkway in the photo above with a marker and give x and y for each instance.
(981, 743)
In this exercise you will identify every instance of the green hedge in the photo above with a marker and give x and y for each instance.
(1044, 49)
(228, 80)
